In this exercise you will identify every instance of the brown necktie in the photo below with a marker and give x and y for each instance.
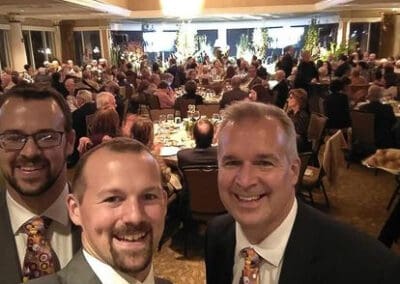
(251, 268)
(40, 259)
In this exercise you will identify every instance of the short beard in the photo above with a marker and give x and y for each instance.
(50, 181)
(121, 260)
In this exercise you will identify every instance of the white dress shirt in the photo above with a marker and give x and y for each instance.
(59, 231)
(271, 249)
(108, 275)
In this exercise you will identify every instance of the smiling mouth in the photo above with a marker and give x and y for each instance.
(132, 237)
(251, 198)
(30, 169)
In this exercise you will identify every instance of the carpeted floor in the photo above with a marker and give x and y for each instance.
(360, 199)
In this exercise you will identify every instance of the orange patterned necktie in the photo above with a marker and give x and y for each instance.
(39, 259)
(251, 269)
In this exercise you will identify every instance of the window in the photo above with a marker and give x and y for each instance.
(4, 51)
(87, 46)
(39, 47)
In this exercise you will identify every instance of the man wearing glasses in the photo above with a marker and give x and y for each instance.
(36, 136)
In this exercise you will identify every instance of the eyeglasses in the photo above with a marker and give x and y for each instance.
(43, 139)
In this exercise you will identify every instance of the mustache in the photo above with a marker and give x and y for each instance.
(22, 160)
(130, 228)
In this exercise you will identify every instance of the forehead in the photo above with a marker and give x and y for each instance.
(121, 170)
(31, 115)
(264, 134)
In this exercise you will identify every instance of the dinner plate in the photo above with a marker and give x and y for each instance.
(168, 151)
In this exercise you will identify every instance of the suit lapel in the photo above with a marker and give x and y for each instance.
(78, 271)
(301, 251)
(10, 268)
(226, 246)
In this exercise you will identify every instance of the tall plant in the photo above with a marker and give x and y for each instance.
(243, 49)
(261, 42)
(185, 41)
(311, 38)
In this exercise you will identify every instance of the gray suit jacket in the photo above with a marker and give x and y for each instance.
(78, 271)
(10, 267)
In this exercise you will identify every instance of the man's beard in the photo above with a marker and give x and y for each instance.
(42, 188)
(122, 259)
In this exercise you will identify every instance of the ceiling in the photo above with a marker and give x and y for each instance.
(149, 10)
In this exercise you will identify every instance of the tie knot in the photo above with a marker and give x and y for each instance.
(36, 225)
(251, 257)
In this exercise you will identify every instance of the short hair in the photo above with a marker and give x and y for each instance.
(103, 99)
(85, 95)
(163, 85)
(243, 110)
(236, 81)
(143, 131)
(336, 85)
(190, 86)
(40, 93)
(203, 133)
(375, 93)
(118, 145)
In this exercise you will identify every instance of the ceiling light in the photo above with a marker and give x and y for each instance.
(182, 8)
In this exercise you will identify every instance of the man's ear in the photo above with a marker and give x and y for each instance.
(74, 209)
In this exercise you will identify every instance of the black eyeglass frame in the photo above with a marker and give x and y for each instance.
(36, 139)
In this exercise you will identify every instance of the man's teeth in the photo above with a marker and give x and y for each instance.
(249, 198)
(132, 238)
(30, 169)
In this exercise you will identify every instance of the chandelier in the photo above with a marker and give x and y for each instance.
(182, 8)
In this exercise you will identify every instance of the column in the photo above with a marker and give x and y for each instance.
(57, 40)
(390, 35)
(105, 43)
(17, 51)
(343, 31)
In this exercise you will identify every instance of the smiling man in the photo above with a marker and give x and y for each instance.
(36, 137)
(118, 201)
(268, 236)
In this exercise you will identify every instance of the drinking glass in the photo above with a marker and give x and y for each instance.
(196, 114)
(170, 118)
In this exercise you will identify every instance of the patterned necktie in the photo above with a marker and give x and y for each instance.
(251, 269)
(39, 259)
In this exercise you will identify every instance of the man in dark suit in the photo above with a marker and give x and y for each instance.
(280, 90)
(36, 136)
(236, 94)
(384, 117)
(287, 62)
(86, 107)
(121, 215)
(203, 153)
(258, 171)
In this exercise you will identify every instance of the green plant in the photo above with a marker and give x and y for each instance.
(243, 48)
(261, 42)
(311, 38)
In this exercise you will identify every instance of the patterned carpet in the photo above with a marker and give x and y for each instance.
(360, 199)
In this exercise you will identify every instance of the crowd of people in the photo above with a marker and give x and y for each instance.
(115, 209)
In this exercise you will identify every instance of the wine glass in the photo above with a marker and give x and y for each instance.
(196, 115)
(170, 118)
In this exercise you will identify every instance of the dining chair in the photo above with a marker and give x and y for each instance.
(152, 101)
(316, 134)
(200, 183)
(182, 106)
(208, 110)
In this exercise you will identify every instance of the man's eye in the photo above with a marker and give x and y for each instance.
(112, 199)
(150, 196)
(46, 137)
(264, 163)
(231, 163)
(14, 138)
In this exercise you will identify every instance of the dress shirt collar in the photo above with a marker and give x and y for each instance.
(272, 247)
(57, 211)
(109, 275)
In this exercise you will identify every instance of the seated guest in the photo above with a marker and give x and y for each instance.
(384, 117)
(356, 78)
(236, 94)
(281, 90)
(298, 113)
(143, 131)
(105, 127)
(336, 106)
(105, 100)
(190, 89)
(166, 95)
(323, 75)
(203, 153)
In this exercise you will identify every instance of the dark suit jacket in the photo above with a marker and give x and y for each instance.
(281, 92)
(337, 109)
(77, 271)
(384, 121)
(197, 156)
(80, 127)
(10, 267)
(231, 96)
(319, 250)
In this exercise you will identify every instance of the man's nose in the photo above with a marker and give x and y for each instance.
(30, 148)
(245, 178)
(132, 211)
